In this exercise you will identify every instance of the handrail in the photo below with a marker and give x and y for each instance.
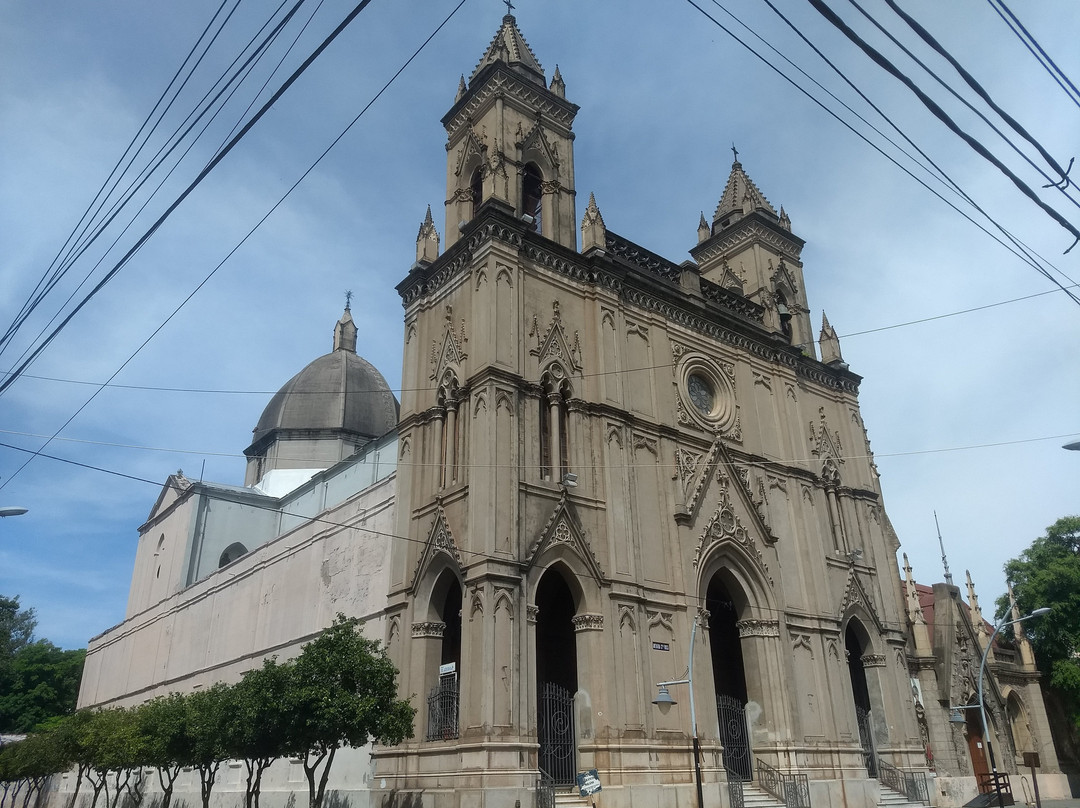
(545, 790)
(910, 783)
(791, 788)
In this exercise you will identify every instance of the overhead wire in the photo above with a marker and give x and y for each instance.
(176, 139)
(7, 382)
(1041, 56)
(878, 58)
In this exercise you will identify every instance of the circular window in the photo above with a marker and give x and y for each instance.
(708, 393)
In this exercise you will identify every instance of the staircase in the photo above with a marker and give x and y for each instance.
(572, 799)
(894, 799)
(756, 797)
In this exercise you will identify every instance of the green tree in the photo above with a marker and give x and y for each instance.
(257, 731)
(16, 631)
(69, 733)
(113, 746)
(207, 720)
(1048, 574)
(344, 692)
(163, 725)
(41, 682)
(33, 760)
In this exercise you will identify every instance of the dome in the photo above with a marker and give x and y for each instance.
(339, 392)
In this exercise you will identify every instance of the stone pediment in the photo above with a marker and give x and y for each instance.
(471, 150)
(174, 489)
(536, 141)
(452, 351)
(728, 524)
(696, 471)
(440, 541)
(563, 530)
(855, 594)
(554, 345)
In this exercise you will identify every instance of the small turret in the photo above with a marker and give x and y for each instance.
(829, 344)
(593, 230)
(920, 632)
(345, 329)
(427, 240)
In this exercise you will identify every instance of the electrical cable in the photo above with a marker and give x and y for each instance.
(1049, 65)
(823, 8)
(184, 195)
(7, 382)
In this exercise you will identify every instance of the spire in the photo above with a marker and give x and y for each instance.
(740, 197)
(558, 86)
(785, 222)
(345, 329)
(830, 344)
(593, 229)
(944, 559)
(461, 90)
(1027, 655)
(703, 231)
(920, 631)
(427, 240)
(510, 48)
(977, 620)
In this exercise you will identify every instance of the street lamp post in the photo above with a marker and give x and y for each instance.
(982, 705)
(664, 701)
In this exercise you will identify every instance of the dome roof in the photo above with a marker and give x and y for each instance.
(339, 391)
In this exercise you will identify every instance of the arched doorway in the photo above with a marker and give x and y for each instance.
(444, 697)
(556, 678)
(729, 677)
(855, 645)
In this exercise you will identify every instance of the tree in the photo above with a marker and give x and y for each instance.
(163, 725)
(343, 693)
(16, 631)
(1048, 574)
(42, 682)
(207, 720)
(257, 731)
(114, 746)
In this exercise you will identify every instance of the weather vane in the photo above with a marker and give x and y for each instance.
(348, 299)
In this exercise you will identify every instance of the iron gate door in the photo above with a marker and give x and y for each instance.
(735, 736)
(558, 741)
(866, 738)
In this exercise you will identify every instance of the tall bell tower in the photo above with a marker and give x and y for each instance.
(509, 139)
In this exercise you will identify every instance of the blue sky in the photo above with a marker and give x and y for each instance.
(663, 95)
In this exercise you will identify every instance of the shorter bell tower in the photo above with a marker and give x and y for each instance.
(509, 139)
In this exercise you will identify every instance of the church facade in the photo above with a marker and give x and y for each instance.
(608, 470)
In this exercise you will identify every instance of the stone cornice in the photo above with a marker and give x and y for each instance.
(496, 81)
(752, 227)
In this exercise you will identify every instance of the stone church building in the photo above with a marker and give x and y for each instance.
(600, 457)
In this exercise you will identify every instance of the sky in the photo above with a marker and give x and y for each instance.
(966, 414)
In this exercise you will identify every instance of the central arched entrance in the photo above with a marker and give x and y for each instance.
(729, 677)
(556, 678)
(860, 691)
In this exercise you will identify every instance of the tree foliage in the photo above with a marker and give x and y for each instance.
(1048, 574)
(259, 726)
(42, 682)
(344, 692)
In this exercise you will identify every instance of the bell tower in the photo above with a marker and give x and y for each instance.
(509, 139)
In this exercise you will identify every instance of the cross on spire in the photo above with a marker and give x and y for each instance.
(735, 152)
(509, 6)
(348, 299)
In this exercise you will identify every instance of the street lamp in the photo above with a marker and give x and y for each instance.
(12, 510)
(982, 706)
(664, 701)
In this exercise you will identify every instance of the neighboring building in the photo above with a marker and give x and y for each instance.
(596, 452)
(947, 638)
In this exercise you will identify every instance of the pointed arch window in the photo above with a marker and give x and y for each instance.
(554, 440)
(476, 190)
(785, 314)
(532, 195)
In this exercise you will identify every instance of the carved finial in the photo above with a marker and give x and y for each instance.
(830, 344)
(427, 240)
(703, 231)
(345, 329)
(593, 229)
(558, 86)
(461, 89)
(1027, 655)
(785, 222)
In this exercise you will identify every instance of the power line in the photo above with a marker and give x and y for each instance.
(1032, 45)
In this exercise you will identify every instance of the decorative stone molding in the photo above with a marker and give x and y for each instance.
(758, 628)
(431, 629)
(553, 344)
(725, 526)
(532, 612)
(588, 622)
(873, 660)
(802, 641)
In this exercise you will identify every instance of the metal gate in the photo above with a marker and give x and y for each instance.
(735, 736)
(866, 738)
(558, 741)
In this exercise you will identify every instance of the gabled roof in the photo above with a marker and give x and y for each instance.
(510, 47)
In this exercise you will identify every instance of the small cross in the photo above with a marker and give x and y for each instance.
(735, 152)
(348, 299)
(509, 6)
